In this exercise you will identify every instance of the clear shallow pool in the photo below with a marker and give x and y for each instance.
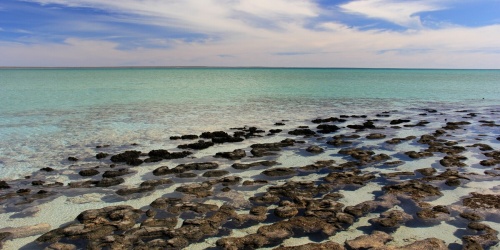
(51, 114)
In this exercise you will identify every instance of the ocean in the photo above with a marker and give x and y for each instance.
(45, 112)
(48, 115)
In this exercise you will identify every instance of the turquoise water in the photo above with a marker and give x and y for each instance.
(35, 89)
(47, 114)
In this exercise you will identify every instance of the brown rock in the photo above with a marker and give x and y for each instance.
(375, 240)
(276, 172)
(215, 173)
(315, 149)
(330, 245)
(61, 246)
(88, 172)
(429, 243)
(375, 136)
(487, 201)
(393, 218)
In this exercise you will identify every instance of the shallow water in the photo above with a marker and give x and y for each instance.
(49, 115)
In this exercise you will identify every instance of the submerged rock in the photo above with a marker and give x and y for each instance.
(436, 213)
(165, 154)
(199, 190)
(375, 136)
(127, 156)
(116, 173)
(108, 182)
(201, 144)
(179, 169)
(26, 231)
(275, 172)
(486, 201)
(235, 155)
(393, 218)
(286, 211)
(488, 238)
(414, 188)
(61, 246)
(254, 164)
(376, 239)
(88, 172)
(4, 185)
(453, 161)
(315, 149)
(348, 177)
(101, 155)
(327, 128)
(427, 171)
(302, 131)
(263, 149)
(400, 140)
(215, 173)
(471, 216)
(429, 243)
(418, 155)
(329, 245)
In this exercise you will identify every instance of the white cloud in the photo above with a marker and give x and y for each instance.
(338, 47)
(200, 15)
(403, 13)
(330, 44)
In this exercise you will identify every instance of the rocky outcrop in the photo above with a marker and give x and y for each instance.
(201, 144)
(235, 155)
(376, 239)
(413, 188)
(486, 201)
(130, 157)
(315, 149)
(393, 218)
(329, 245)
(278, 172)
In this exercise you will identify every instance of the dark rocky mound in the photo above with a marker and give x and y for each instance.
(130, 157)
(487, 201)
(327, 128)
(263, 149)
(276, 172)
(88, 172)
(413, 188)
(163, 170)
(235, 155)
(302, 131)
(254, 164)
(164, 154)
(201, 144)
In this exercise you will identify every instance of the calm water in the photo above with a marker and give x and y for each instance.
(48, 114)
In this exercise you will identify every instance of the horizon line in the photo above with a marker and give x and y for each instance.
(226, 67)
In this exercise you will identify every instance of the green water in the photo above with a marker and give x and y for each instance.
(46, 112)
(33, 89)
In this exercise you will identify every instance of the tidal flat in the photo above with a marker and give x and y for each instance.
(410, 178)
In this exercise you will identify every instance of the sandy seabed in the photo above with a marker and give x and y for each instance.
(389, 180)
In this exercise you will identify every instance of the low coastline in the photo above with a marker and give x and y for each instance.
(387, 174)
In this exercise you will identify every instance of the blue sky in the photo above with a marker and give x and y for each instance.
(288, 33)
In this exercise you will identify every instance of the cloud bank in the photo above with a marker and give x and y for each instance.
(278, 33)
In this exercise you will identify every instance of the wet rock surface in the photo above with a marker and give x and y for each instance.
(308, 182)
(277, 172)
(314, 246)
(235, 155)
(486, 201)
(375, 240)
(391, 218)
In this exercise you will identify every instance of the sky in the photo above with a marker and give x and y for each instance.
(246, 33)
